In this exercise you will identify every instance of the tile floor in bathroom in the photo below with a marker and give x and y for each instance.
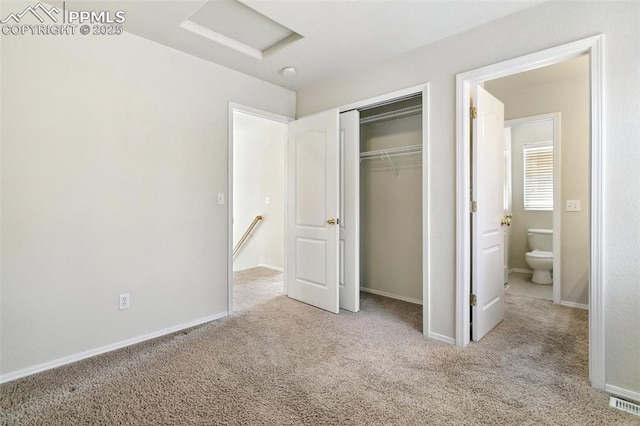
(520, 284)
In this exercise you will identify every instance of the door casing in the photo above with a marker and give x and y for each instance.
(593, 46)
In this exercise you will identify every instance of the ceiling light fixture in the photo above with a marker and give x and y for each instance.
(288, 71)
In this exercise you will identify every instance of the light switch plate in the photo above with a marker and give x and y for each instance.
(220, 197)
(573, 205)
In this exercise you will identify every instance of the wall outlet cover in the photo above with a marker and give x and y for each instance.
(573, 205)
(124, 301)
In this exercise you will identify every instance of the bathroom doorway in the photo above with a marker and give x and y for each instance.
(593, 47)
(532, 197)
(547, 121)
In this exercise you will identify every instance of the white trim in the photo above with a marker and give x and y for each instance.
(259, 113)
(426, 216)
(594, 47)
(222, 39)
(574, 305)
(556, 118)
(391, 295)
(104, 349)
(442, 338)
(420, 88)
(233, 107)
(622, 393)
(596, 214)
(275, 268)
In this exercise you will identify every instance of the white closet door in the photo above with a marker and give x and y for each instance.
(350, 211)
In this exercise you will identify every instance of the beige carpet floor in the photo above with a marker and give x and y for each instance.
(255, 286)
(281, 362)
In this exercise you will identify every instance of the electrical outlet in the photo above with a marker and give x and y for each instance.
(124, 301)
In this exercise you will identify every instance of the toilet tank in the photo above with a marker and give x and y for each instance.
(540, 239)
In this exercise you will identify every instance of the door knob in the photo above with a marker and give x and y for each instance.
(509, 216)
(333, 221)
(505, 222)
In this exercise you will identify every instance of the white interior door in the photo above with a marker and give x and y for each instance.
(312, 210)
(487, 257)
(349, 283)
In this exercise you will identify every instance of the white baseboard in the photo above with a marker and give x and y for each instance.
(622, 393)
(521, 270)
(391, 295)
(442, 338)
(574, 305)
(275, 268)
(103, 349)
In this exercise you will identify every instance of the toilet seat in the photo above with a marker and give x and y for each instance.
(540, 254)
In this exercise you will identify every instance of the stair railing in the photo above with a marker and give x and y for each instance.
(246, 235)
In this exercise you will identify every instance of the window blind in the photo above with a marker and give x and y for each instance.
(538, 176)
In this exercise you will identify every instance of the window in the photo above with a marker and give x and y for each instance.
(538, 176)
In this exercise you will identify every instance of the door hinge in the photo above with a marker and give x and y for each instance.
(474, 112)
(474, 206)
(473, 300)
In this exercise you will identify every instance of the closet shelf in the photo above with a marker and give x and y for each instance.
(391, 152)
(399, 113)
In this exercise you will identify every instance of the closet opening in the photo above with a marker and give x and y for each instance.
(390, 198)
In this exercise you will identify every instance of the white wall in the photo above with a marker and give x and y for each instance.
(258, 173)
(544, 26)
(113, 150)
(571, 98)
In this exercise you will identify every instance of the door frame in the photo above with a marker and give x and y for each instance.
(556, 119)
(235, 107)
(424, 90)
(593, 46)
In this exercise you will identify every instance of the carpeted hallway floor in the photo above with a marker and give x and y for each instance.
(255, 286)
(280, 362)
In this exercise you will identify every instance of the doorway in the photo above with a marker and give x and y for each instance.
(592, 47)
(534, 148)
(256, 204)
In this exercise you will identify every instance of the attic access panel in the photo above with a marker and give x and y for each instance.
(240, 27)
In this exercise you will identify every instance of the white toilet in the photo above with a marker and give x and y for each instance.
(540, 258)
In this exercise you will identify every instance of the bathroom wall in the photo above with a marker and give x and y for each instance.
(258, 173)
(391, 211)
(569, 95)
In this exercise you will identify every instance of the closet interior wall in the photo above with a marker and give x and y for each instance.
(391, 205)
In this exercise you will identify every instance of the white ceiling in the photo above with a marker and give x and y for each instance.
(337, 36)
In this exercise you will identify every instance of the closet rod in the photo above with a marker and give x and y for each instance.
(399, 113)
